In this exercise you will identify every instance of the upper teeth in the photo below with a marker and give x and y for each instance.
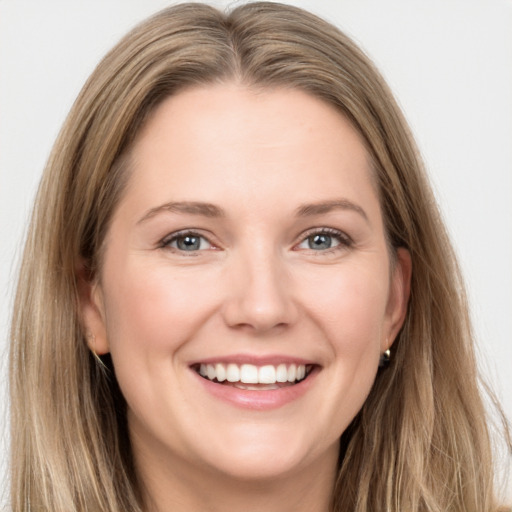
(251, 374)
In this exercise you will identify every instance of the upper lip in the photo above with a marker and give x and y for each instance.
(256, 360)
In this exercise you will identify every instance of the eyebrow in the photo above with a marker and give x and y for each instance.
(186, 207)
(213, 211)
(307, 210)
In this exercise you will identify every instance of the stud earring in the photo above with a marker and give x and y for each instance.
(385, 358)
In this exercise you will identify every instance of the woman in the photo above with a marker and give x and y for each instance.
(247, 299)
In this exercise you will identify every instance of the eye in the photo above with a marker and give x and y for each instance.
(321, 241)
(324, 240)
(187, 242)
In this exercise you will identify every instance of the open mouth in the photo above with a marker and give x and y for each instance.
(252, 377)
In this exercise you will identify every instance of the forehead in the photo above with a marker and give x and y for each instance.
(231, 139)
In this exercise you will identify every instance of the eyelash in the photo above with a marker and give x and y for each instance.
(168, 240)
(344, 241)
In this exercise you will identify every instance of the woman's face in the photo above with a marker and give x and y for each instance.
(248, 250)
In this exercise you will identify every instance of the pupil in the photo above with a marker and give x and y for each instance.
(320, 242)
(188, 243)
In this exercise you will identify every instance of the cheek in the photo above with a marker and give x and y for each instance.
(350, 305)
(152, 313)
(153, 309)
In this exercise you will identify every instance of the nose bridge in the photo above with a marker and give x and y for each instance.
(260, 296)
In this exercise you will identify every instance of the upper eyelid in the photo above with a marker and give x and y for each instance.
(165, 243)
(327, 230)
(184, 232)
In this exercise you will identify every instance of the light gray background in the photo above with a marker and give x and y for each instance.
(449, 62)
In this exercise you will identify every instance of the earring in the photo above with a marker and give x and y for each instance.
(385, 358)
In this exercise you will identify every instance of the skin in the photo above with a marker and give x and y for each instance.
(256, 286)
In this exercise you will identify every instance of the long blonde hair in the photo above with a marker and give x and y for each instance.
(420, 443)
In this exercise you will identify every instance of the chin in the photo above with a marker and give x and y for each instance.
(262, 452)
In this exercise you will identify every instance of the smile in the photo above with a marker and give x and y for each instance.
(253, 377)
(258, 383)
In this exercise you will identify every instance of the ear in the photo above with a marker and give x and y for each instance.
(399, 292)
(92, 310)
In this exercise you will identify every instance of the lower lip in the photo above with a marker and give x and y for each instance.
(263, 400)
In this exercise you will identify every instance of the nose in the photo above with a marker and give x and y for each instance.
(259, 294)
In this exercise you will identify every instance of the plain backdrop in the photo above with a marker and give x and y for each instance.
(449, 63)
